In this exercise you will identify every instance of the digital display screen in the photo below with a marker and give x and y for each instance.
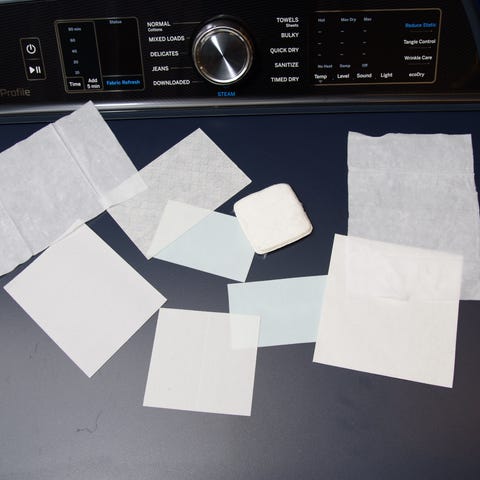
(100, 54)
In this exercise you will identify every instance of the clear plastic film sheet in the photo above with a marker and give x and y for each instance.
(289, 308)
(215, 245)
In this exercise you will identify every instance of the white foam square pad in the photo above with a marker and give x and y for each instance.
(272, 218)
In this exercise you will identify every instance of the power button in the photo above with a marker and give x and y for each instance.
(31, 49)
(33, 58)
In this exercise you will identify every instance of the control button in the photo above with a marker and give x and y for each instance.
(94, 83)
(32, 58)
(222, 52)
(367, 76)
(74, 84)
(34, 70)
(31, 49)
(127, 82)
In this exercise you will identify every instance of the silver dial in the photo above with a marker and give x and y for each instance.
(222, 52)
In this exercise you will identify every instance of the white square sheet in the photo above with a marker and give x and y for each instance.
(403, 329)
(214, 245)
(203, 361)
(194, 171)
(85, 297)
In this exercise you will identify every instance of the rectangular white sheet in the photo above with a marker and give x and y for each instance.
(402, 329)
(67, 172)
(85, 297)
(203, 361)
(214, 245)
(289, 308)
(195, 171)
(417, 190)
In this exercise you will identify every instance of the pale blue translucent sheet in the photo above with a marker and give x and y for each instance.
(215, 245)
(289, 308)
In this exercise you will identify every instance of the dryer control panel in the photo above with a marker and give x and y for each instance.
(131, 55)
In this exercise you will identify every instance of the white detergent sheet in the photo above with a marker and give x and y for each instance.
(417, 190)
(289, 308)
(401, 323)
(454, 193)
(99, 155)
(85, 297)
(214, 245)
(48, 183)
(43, 190)
(195, 171)
(203, 361)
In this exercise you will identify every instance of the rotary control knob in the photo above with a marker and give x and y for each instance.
(222, 52)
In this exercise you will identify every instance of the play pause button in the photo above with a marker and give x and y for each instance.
(34, 70)
(37, 69)
(33, 58)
